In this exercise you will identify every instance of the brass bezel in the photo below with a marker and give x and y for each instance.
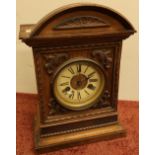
(85, 105)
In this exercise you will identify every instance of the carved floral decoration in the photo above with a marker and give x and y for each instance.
(55, 108)
(104, 57)
(104, 101)
(52, 61)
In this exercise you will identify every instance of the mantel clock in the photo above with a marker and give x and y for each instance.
(77, 52)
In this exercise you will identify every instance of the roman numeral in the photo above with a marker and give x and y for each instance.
(65, 76)
(78, 68)
(70, 69)
(93, 80)
(71, 96)
(64, 84)
(86, 92)
(66, 90)
(91, 87)
(78, 95)
(91, 74)
(86, 69)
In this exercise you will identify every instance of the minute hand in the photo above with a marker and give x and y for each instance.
(91, 75)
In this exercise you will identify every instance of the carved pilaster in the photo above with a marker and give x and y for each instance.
(40, 85)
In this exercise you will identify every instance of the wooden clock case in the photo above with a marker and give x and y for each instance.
(82, 31)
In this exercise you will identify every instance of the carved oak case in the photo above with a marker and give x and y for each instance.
(83, 32)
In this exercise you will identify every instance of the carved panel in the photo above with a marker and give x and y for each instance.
(55, 59)
(52, 60)
(82, 22)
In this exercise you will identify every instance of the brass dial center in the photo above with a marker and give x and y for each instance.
(79, 82)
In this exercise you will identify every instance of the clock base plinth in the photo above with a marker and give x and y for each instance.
(52, 143)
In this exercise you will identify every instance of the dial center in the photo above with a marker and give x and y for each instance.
(79, 81)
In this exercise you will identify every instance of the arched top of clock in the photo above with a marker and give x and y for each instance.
(79, 20)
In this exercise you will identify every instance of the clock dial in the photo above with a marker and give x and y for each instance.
(78, 84)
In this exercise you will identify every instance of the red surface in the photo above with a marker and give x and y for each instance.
(128, 116)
